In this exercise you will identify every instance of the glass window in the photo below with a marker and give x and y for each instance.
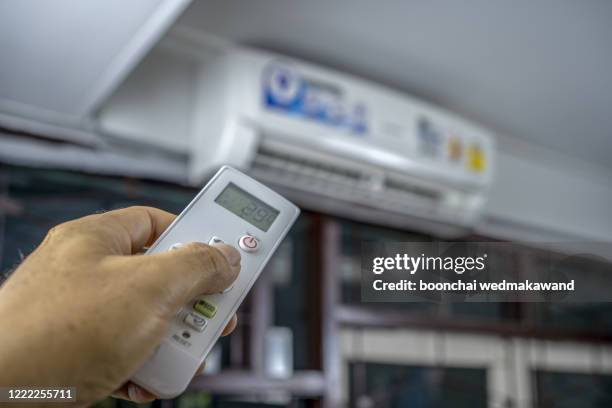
(393, 386)
(352, 236)
(570, 390)
(578, 316)
(294, 289)
(349, 259)
(41, 199)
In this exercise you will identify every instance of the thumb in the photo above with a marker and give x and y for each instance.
(186, 272)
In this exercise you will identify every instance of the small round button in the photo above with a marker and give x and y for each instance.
(248, 243)
(215, 240)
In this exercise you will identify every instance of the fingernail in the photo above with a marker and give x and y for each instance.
(135, 393)
(231, 254)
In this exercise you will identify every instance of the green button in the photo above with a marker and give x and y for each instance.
(205, 308)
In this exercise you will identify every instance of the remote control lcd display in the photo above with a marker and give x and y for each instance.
(247, 207)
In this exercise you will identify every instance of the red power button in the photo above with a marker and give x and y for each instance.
(248, 243)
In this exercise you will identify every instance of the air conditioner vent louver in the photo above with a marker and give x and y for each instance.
(343, 186)
(411, 189)
(294, 165)
(344, 179)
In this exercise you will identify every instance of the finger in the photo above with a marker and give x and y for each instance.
(137, 227)
(132, 392)
(182, 274)
(229, 328)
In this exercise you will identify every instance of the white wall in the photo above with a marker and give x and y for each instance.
(509, 361)
(546, 194)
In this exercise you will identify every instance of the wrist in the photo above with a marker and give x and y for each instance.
(23, 345)
(10, 375)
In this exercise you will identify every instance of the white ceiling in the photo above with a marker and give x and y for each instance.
(538, 70)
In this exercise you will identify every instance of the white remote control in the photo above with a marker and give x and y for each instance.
(235, 209)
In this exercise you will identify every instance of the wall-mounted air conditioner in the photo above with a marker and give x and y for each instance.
(338, 144)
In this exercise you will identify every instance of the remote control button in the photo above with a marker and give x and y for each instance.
(205, 308)
(195, 321)
(175, 246)
(248, 243)
(215, 240)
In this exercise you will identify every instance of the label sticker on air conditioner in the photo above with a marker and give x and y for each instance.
(476, 158)
(455, 149)
(288, 92)
(430, 138)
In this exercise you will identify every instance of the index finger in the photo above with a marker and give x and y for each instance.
(138, 226)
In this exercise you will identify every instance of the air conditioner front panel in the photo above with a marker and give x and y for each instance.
(329, 137)
(320, 108)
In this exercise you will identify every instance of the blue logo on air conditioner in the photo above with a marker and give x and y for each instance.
(283, 88)
(288, 92)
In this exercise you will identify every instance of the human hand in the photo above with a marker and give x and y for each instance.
(85, 311)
